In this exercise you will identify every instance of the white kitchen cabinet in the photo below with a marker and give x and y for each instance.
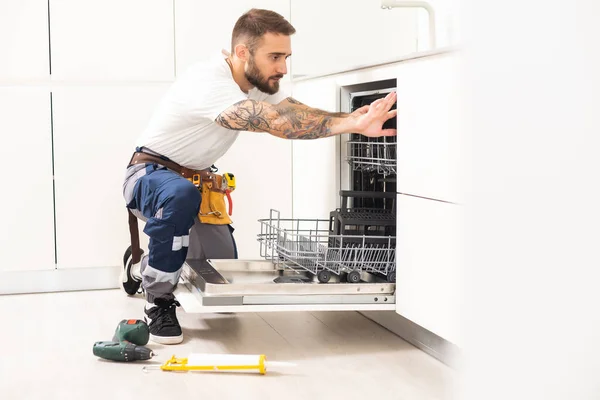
(24, 40)
(338, 35)
(315, 162)
(94, 133)
(202, 31)
(112, 40)
(429, 259)
(430, 141)
(27, 235)
(262, 166)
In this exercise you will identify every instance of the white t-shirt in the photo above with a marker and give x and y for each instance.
(183, 128)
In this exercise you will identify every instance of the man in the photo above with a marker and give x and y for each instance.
(196, 123)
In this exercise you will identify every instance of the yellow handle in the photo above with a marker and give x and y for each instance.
(230, 180)
(181, 364)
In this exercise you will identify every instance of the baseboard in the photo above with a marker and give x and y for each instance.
(432, 344)
(59, 280)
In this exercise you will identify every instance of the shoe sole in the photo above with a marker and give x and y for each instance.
(124, 275)
(167, 339)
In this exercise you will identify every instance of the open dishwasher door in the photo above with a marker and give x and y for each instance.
(308, 266)
(259, 286)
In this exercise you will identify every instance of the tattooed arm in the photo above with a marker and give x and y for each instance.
(285, 120)
(291, 120)
(290, 101)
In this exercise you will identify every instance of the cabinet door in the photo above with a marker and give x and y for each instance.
(429, 256)
(27, 235)
(112, 39)
(201, 31)
(94, 133)
(430, 143)
(336, 35)
(262, 167)
(316, 162)
(24, 40)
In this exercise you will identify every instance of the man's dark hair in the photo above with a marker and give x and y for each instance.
(251, 26)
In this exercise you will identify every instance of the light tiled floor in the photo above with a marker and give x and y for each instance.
(47, 343)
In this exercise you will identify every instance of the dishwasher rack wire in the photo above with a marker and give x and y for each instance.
(372, 156)
(309, 244)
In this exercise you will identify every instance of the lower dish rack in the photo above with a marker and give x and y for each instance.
(309, 244)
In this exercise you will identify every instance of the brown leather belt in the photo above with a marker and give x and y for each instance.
(142, 158)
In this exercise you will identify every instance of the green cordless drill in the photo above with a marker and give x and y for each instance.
(127, 343)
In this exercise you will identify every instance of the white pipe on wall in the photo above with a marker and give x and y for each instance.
(389, 4)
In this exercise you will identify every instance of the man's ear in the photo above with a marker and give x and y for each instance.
(242, 52)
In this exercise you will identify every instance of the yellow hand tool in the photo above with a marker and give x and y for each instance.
(221, 362)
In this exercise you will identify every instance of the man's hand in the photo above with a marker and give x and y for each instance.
(369, 120)
(360, 111)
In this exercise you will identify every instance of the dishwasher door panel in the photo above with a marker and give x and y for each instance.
(261, 285)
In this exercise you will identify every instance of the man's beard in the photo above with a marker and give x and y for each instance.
(259, 81)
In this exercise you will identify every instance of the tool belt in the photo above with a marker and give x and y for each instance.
(143, 158)
(212, 204)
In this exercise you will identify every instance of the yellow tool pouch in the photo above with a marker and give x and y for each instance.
(212, 206)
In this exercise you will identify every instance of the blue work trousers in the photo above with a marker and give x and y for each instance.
(170, 204)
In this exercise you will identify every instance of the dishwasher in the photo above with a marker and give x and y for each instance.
(345, 262)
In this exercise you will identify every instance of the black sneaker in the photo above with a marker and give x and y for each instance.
(129, 282)
(162, 321)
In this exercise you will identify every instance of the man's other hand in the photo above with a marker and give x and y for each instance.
(370, 118)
